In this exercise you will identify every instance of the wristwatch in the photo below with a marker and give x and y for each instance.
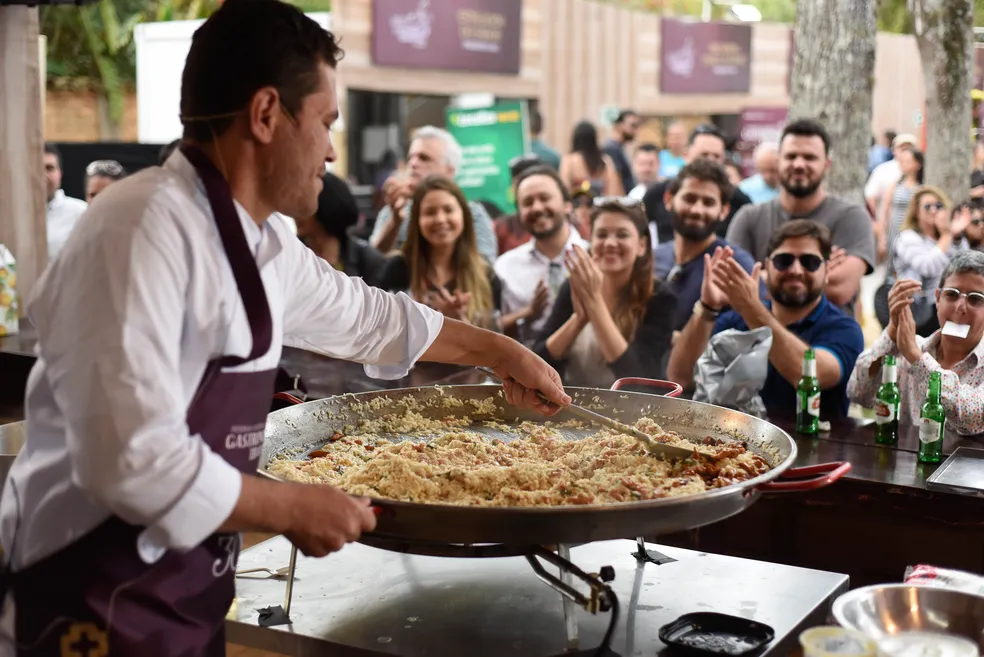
(705, 313)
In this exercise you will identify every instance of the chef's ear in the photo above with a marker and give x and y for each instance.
(264, 114)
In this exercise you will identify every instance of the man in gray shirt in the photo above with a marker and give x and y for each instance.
(803, 162)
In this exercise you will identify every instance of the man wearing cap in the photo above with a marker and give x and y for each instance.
(888, 173)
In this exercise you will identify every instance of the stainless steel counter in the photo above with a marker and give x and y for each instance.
(365, 602)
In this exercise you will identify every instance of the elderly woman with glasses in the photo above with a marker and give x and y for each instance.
(101, 174)
(956, 351)
(611, 319)
(927, 241)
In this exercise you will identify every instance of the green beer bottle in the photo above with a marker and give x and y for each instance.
(932, 423)
(887, 405)
(808, 396)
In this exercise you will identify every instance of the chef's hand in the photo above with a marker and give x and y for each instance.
(523, 374)
(325, 518)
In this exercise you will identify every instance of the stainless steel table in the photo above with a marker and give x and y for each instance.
(365, 602)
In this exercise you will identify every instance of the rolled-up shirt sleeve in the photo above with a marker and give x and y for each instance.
(114, 371)
(342, 317)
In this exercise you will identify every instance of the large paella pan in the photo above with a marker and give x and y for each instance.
(295, 432)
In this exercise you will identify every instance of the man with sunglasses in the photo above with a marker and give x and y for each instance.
(706, 141)
(956, 351)
(160, 329)
(799, 315)
(804, 160)
(974, 233)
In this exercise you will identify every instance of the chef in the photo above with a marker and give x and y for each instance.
(160, 328)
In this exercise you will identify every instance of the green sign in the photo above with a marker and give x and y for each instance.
(489, 138)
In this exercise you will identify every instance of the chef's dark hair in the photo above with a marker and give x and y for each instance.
(244, 46)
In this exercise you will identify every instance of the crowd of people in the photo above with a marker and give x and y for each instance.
(630, 261)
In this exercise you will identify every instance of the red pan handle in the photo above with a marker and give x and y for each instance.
(820, 475)
(675, 388)
(287, 397)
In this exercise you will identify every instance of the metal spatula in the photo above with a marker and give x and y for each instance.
(653, 447)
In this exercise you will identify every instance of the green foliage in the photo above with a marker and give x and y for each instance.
(893, 15)
(92, 47)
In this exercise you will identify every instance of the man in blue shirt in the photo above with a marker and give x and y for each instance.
(698, 201)
(799, 315)
(764, 185)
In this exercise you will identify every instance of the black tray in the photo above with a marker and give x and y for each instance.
(708, 633)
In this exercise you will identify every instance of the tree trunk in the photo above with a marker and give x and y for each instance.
(109, 130)
(945, 35)
(833, 77)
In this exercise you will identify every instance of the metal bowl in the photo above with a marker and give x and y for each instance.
(889, 609)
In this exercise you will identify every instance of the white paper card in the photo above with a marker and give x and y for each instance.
(955, 330)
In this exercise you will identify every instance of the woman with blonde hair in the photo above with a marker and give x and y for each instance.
(612, 318)
(439, 264)
(927, 239)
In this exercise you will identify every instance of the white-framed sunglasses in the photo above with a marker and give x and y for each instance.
(952, 295)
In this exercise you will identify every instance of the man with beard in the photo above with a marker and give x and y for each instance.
(706, 141)
(799, 316)
(532, 273)
(623, 133)
(803, 162)
(697, 201)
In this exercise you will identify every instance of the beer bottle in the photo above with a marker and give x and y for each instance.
(932, 423)
(808, 396)
(887, 406)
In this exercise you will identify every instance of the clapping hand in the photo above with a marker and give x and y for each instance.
(838, 257)
(961, 221)
(900, 297)
(585, 277)
(906, 338)
(396, 192)
(454, 306)
(710, 294)
(740, 288)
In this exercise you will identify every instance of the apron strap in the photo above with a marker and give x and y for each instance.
(237, 250)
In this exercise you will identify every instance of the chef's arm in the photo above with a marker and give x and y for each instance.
(115, 374)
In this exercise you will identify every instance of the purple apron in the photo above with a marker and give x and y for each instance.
(96, 597)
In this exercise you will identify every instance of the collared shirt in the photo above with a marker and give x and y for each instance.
(63, 214)
(757, 189)
(827, 328)
(962, 392)
(521, 269)
(685, 280)
(485, 238)
(141, 299)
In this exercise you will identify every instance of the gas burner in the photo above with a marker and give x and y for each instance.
(599, 598)
(455, 550)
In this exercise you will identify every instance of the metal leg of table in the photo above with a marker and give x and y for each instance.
(570, 607)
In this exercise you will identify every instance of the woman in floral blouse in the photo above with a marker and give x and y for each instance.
(960, 299)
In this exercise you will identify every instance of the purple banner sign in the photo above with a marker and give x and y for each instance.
(460, 35)
(757, 125)
(704, 58)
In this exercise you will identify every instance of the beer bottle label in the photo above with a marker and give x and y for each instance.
(885, 413)
(929, 430)
(813, 405)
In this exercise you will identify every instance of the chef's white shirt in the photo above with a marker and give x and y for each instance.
(140, 300)
(63, 214)
(522, 268)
